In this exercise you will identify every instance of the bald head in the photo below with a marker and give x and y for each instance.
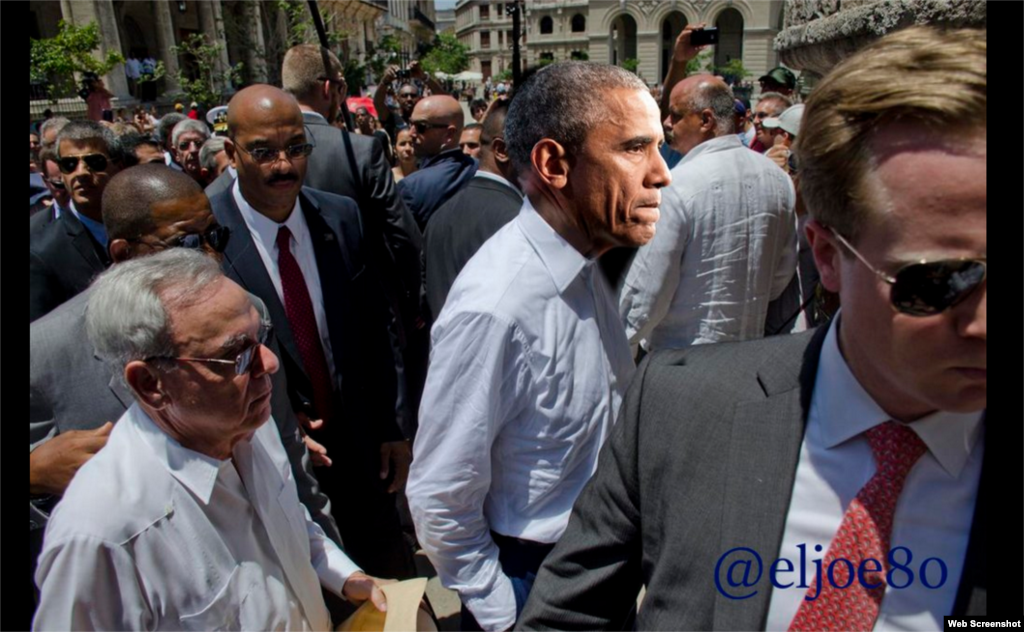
(701, 107)
(131, 195)
(439, 109)
(259, 104)
(441, 120)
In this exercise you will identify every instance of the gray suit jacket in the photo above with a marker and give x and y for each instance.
(702, 460)
(72, 389)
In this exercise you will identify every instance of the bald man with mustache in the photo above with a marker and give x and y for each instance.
(436, 124)
(303, 252)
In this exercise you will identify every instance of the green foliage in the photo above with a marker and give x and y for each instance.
(55, 60)
(579, 55)
(159, 71)
(355, 75)
(203, 87)
(447, 55)
(631, 65)
(703, 62)
(734, 72)
(381, 56)
(302, 30)
(504, 75)
(545, 61)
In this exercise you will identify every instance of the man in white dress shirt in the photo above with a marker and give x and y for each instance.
(726, 241)
(529, 360)
(189, 518)
(796, 482)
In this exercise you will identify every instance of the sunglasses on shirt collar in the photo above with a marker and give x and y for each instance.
(927, 288)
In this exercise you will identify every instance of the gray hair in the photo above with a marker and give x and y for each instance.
(189, 125)
(84, 131)
(126, 318)
(775, 96)
(166, 126)
(56, 123)
(718, 98)
(537, 110)
(208, 152)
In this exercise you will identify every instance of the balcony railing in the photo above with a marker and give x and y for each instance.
(422, 18)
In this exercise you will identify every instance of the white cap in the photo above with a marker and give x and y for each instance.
(789, 120)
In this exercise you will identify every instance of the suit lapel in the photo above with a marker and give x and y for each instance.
(242, 258)
(972, 593)
(763, 453)
(334, 267)
(83, 242)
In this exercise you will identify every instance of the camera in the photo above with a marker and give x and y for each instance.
(701, 37)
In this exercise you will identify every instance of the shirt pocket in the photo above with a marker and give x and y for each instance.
(224, 612)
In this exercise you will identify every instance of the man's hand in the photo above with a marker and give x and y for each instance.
(53, 464)
(399, 453)
(683, 51)
(389, 76)
(416, 71)
(359, 587)
(779, 154)
(317, 452)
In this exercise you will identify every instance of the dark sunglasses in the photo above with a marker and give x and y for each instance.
(186, 145)
(266, 155)
(93, 162)
(927, 288)
(423, 126)
(216, 236)
(242, 362)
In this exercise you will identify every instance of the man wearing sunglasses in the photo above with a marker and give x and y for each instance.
(771, 105)
(67, 252)
(840, 455)
(189, 517)
(436, 129)
(147, 210)
(187, 139)
(302, 251)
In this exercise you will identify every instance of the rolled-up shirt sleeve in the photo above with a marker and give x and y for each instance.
(476, 381)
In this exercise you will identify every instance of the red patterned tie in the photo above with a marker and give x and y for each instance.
(864, 533)
(302, 321)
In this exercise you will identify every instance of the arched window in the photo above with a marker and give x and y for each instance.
(671, 27)
(579, 23)
(547, 25)
(730, 37)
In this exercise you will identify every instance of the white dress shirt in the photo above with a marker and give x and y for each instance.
(528, 367)
(725, 246)
(933, 515)
(264, 234)
(151, 535)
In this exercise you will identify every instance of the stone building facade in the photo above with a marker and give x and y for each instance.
(251, 32)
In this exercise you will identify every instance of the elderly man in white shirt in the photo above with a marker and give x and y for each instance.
(529, 360)
(189, 518)
(726, 242)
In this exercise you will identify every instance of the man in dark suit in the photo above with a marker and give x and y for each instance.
(466, 221)
(354, 166)
(303, 252)
(791, 453)
(436, 124)
(66, 252)
(74, 396)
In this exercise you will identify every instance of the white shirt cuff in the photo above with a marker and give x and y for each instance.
(496, 610)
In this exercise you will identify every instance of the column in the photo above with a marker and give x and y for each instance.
(110, 40)
(164, 41)
(256, 49)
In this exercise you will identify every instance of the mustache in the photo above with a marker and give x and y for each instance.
(282, 177)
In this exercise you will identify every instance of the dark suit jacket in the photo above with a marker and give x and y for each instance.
(436, 181)
(354, 166)
(220, 185)
(63, 259)
(702, 460)
(356, 310)
(72, 389)
(457, 231)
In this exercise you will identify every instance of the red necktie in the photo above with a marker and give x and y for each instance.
(864, 533)
(302, 321)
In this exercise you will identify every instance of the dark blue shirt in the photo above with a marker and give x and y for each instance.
(438, 179)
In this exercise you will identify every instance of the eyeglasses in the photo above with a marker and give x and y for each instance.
(760, 115)
(423, 126)
(216, 236)
(185, 145)
(927, 288)
(266, 155)
(242, 362)
(93, 162)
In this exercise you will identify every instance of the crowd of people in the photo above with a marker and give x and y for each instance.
(592, 340)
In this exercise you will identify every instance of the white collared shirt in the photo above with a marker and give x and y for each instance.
(933, 515)
(152, 535)
(725, 246)
(264, 234)
(528, 368)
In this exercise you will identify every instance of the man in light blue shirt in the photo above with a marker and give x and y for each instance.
(529, 359)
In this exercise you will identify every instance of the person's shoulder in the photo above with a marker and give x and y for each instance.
(503, 276)
(328, 201)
